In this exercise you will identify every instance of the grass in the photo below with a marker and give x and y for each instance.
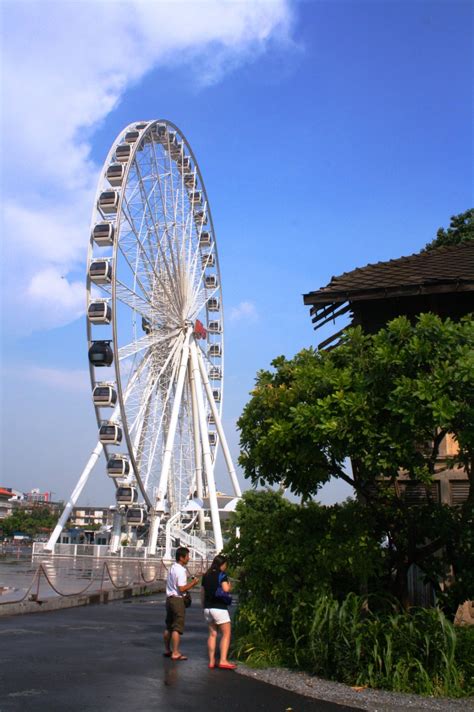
(364, 641)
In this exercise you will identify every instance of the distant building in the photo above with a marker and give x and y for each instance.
(90, 516)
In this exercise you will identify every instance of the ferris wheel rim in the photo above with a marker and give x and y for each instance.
(115, 321)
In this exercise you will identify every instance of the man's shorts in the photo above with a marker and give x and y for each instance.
(218, 616)
(175, 612)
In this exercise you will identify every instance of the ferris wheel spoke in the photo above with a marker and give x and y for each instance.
(133, 300)
(144, 343)
(165, 219)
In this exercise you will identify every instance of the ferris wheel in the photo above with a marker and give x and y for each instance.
(155, 332)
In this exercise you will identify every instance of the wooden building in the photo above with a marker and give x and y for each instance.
(440, 281)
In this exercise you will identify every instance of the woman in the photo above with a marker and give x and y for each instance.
(216, 612)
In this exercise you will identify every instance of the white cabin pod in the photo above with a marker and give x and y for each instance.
(205, 239)
(196, 197)
(200, 217)
(126, 495)
(214, 327)
(99, 312)
(141, 125)
(213, 304)
(176, 151)
(208, 260)
(161, 133)
(108, 201)
(136, 516)
(216, 394)
(184, 164)
(123, 152)
(115, 173)
(190, 181)
(118, 466)
(212, 437)
(210, 419)
(104, 395)
(101, 354)
(215, 350)
(131, 136)
(103, 234)
(215, 373)
(110, 433)
(100, 271)
(172, 141)
(210, 281)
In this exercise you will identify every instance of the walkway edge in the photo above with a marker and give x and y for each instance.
(61, 602)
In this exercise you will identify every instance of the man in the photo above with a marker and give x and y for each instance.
(176, 585)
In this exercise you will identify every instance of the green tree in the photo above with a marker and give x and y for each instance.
(460, 230)
(29, 521)
(384, 403)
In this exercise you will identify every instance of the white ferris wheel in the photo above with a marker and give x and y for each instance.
(155, 331)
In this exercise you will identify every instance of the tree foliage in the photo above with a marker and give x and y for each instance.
(384, 402)
(29, 522)
(461, 229)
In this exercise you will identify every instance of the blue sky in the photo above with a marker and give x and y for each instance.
(329, 135)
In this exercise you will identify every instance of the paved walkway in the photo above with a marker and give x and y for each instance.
(109, 658)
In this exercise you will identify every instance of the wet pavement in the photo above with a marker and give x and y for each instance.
(109, 657)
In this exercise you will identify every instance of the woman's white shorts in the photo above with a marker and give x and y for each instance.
(216, 615)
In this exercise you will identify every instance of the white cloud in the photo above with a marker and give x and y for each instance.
(246, 311)
(65, 67)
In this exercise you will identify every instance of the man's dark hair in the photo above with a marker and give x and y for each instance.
(181, 552)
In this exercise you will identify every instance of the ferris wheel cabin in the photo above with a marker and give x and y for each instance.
(110, 433)
(118, 466)
(126, 496)
(108, 201)
(216, 394)
(215, 373)
(123, 152)
(208, 260)
(214, 327)
(213, 304)
(136, 516)
(104, 395)
(211, 281)
(101, 354)
(100, 271)
(115, 173)
(103, 234)
(212, 437)
(99, 312)
(132, 136)
(200, 217)
(215, 350)
(205, 239)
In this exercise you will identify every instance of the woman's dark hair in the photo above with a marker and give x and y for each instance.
(217, 563)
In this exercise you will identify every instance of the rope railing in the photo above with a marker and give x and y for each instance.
(42, 573)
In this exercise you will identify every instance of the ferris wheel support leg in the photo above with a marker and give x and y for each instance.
(74, 497)
(197, 447)
(220, 429)
(183, 365)
(153, 533)
(116, 532)
(208, 465)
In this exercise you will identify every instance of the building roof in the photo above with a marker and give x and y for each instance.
(440, 270)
